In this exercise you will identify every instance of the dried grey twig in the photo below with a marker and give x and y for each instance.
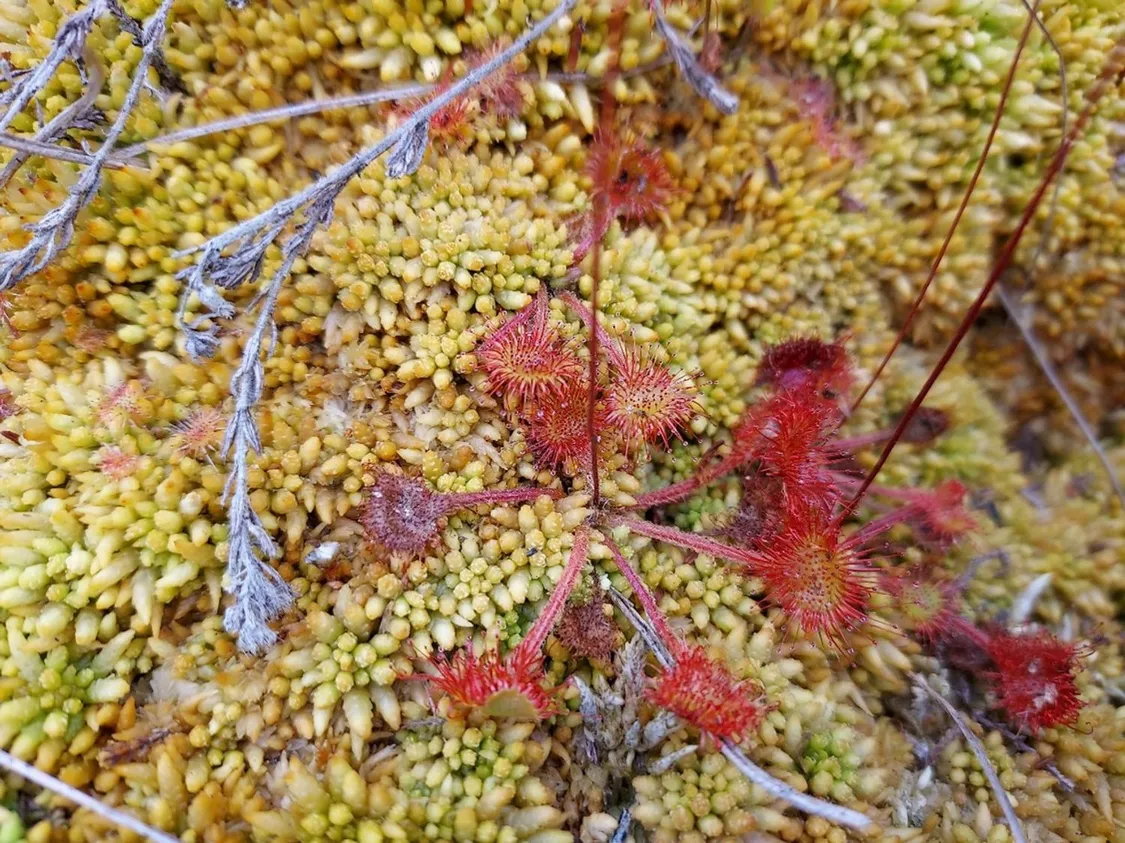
(269, 115)
(48, 782)
(982, 756)
(68, 46)
(259, 592)
(1037, 351)
(79, 114)
(776, 788)
(706, 85)
(53, 233)
(169, 79)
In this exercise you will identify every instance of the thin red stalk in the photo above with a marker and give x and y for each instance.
(586, 315)
(878, 525)
(684, 488)
(543, 625)
(648, 602)
(591, 407)
(691, 541)
(616, 27)
(860, 440)
(466, 500)
(1113, 66)
(914, 308)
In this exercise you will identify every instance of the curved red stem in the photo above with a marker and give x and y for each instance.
(916, 306)
(1112, 67)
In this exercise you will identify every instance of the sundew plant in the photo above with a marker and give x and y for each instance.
(566, 421)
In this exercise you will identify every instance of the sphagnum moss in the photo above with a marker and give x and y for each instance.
(117, 675)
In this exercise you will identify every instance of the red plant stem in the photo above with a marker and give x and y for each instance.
(617, 357)
(467, 500)
(879, 525)
(616, 29)
(537, 635)
(648, 602)
(685, 488)
(691, 541)
(909, 495)
(861, 440)
(1113, 66)
(960, 210)
(591, 404)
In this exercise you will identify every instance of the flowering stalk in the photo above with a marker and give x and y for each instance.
(1110, 69)
(916, 306)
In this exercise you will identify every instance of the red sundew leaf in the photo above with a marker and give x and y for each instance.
(940, 515)
(120, 404)
(557, 429)
(646, 402)
(527, 358)
(512, 687)
(499, 687)
(403, 517)
(200, 432)
(760, 514)
(806, 363)
(115, 463)
(1034, 679)
(925, 605)
(818, 577)
(585, 629)
(498, 94)
(630, 179)
(703, 693)
(793, 446)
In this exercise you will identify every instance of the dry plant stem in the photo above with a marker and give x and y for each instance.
(259, 591)
(982, 756)
(42, 143)
(54, 231)
(48, 782)
(916, 306)
(68, 44)
(1111, 68)
(269, 115)
(26, 147)
(777, 789)
(1040, 355)
(169, 79)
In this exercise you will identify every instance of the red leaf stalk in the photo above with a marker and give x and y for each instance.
(691, 541)
(545, 622)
